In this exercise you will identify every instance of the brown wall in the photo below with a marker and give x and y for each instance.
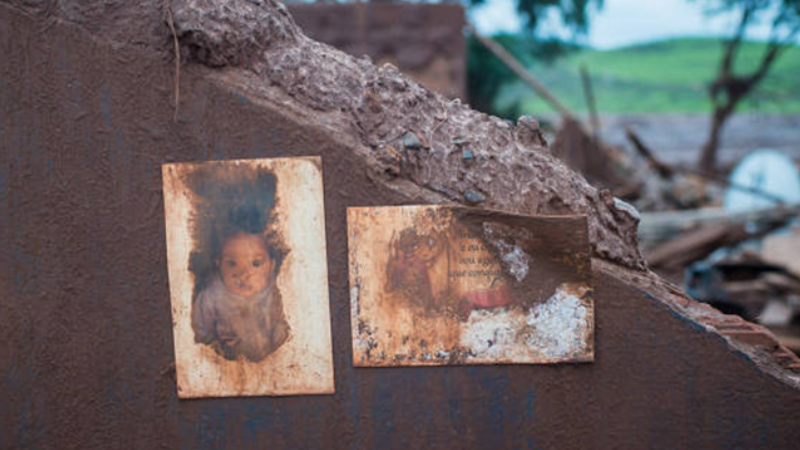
(85, 334)
(424, 41)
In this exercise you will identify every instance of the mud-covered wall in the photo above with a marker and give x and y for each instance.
(86, 359)
(425, 41)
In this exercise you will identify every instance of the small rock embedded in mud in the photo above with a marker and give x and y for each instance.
(466, 154)
(529, 132)
(410, 140)
(528, 121)
(473, 197)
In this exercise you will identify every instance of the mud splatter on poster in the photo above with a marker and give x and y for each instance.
(248, 277)
(436, 285)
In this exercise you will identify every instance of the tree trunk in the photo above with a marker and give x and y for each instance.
(708, 157)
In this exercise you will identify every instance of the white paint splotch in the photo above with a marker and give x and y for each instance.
(555, 329)
(559, 326)
(492, 333)
(514, 258)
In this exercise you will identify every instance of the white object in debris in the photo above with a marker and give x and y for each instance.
(777, 313)
(768, 171)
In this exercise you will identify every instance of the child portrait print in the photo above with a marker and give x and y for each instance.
(248, 277)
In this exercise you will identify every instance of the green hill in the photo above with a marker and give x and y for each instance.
(659, 77)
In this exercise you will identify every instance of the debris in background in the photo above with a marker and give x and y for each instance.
(663, 169)
(783, 249)
(767, 171)
(743, 285)
(591, 104)
(739, 258)
(603, 166)
(655, 228)
(430, 51)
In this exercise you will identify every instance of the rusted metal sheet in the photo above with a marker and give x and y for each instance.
(436, 285)
(248, 278)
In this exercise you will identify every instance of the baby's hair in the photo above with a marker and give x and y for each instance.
(230, 199)
(229, 229)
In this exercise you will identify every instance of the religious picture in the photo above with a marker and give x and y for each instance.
(440, 285)
(248, 277)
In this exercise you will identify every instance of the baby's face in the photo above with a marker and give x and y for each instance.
(245, 264)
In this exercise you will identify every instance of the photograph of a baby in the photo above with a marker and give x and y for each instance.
(248, 277)
(237, 309)
(240, 311)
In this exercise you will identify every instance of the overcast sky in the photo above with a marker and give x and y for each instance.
(624, 22)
